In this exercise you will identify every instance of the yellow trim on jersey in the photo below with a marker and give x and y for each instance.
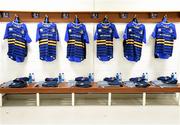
(78, 42)
(51, 44)
(79, 45)
(11, 42)
(43, 40)
(19, 42)
(101, 43)
(138, 46)
(168, 44)
(20, 45)
(109, 41)
(52, 41)
(71, 43)
(129, 42)
(72, 40)
(43, 43)
(11, 39)
(160, 40)
(138, 43)
(109, 44)
(101, 40)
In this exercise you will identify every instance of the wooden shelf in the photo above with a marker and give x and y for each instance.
(87, 16)
(63, 88)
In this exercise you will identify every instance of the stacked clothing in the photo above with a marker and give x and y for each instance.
(83, 82)
(139, 82)
(129, 84)
(19, 82)
(109, 81)
(50, 82)
(103, 83)
(165, 82)
(112, 81)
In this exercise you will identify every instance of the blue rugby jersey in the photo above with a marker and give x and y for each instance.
(105, 32)
(76, 37)
(164, 35)
(134, 36)
(17, 36)
(48, 36)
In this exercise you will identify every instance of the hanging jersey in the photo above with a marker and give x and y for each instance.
(134, 36)
(17, 37)
(48, 36)
(105, 32)
(164, 35)
(76, 37)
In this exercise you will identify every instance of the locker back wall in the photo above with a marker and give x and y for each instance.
(32, 64)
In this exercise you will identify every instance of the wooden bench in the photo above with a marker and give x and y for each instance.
(64, 89)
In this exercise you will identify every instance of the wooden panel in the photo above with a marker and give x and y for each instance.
(63, 88)
(86, 17)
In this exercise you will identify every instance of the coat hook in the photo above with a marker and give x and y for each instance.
(46, 16)
(15, 15)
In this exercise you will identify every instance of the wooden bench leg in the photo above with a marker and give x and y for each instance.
(1, 99)
(179, 99)
(177, 96)
(37, 99)
(73, 99)
(109, 99)
(144, 99)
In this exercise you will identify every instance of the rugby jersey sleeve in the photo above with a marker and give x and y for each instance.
(27, 37)
(174, 32)
(37, 33)
(96, 33)
(154, 32)
(85, 35)
(125, 33)
(57, 33)
(144, 34)
(115, 33)
(67, 33)
(6, 31)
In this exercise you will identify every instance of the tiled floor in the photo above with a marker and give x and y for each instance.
(91, 115)
(126, 110)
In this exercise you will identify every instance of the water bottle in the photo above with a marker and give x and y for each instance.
(172, 75)
(143, 75)
(120, 77)
(146, 77)
(59, 78)
(33, 77)
(92, 77)
(62, 77)
(175, 76)
(30, 78)
(117, 76)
